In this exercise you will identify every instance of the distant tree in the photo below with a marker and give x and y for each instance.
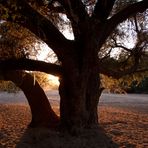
(97, 32)
(8, 86)
(139, 87)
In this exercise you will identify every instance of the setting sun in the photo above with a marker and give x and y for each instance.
(54, 80)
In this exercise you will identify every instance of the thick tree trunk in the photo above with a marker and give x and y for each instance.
(93, 93)
(80, 86)
(79, 97)
(79, 106)
(72, 106)
(42, 113)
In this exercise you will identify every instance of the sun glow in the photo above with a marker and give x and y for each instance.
(44, 53)
(53, 80)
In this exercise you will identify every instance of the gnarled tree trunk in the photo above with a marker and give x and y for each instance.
(80, 88)
(42, 113)
(79, 106)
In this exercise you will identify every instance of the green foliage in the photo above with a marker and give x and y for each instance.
(134, 83)
(141, 87)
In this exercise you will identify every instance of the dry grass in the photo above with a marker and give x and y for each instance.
(126, 128)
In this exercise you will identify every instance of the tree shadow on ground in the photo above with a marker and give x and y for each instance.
(45, 138)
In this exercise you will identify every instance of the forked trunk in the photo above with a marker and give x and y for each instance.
(42, 113)
(80, 86)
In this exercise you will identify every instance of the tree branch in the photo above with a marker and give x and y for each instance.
(57, 9)
(118, 73)
(75, 9)
(109, 25)
(30, 65)
(120, 46)
(126, 13)
(76, 13)
(102, 9)
(41, 27)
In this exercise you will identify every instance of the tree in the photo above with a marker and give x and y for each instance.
(81, 61)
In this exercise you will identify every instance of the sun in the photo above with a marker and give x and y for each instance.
(53, 80)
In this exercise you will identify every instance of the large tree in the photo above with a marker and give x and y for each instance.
(81, 60)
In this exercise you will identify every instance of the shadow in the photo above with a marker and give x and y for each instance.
(45, 138)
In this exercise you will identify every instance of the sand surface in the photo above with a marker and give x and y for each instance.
(125, 125)
(138, 102)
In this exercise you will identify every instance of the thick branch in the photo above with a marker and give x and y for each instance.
(41, 27)
(102, 9)
(108, 26)
(126, 13)
(76, 13)
(75, 9)
(118, 73)
(57, 9)
(117, 70)
(30, 65)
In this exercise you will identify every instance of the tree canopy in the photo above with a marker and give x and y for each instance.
(47, 14)
(100, 30)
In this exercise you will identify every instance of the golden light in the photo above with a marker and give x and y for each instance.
(53, 80)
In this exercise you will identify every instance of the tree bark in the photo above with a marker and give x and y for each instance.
(42, 113)
(93, 94)
(72, 106)
(79, 106)
(80, 91)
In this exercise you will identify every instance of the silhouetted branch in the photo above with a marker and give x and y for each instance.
(57, 9)
(103, 9)
(120, 46)
(75, 10)
(131, 10)
(40, 26)
(30, 65)
(117, 71)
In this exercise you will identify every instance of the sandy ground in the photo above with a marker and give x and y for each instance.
(123, 119)
(137, 102)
